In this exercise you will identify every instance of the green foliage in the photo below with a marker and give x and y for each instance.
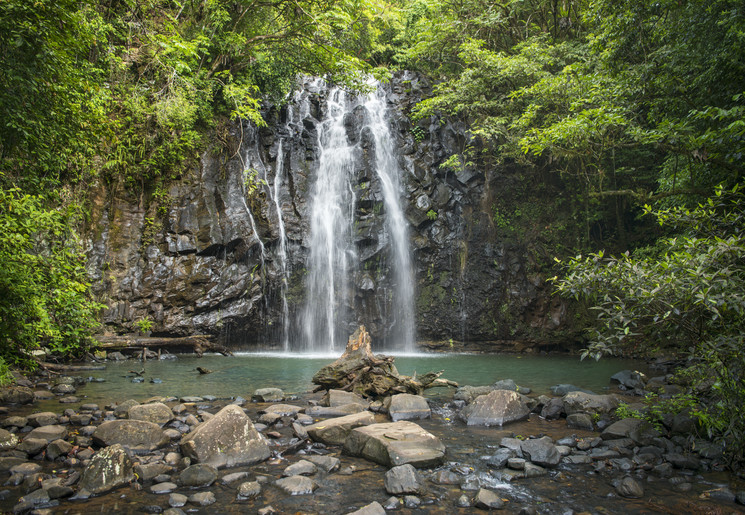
(44, 293)
(6, 378)
(432, 214)
(685, 294)
(144, 325)
(624, 411)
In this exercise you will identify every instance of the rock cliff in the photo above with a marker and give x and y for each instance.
(211, 256)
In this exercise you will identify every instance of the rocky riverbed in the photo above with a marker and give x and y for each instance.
(474, 448)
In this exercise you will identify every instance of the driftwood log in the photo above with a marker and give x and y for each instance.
(197, 344)
(358, 370)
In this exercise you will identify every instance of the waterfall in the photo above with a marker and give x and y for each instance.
(333, 260)
(404, 333)
(332, 253)
(282, 246)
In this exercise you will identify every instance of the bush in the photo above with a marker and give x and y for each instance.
(686, 294)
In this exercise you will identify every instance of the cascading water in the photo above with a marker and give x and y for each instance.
(332, 253)
(404, 330)
(282, 246)
(333, 259)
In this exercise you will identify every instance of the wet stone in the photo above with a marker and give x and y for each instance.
(199, 475)
(412, 501)
(26, 469)
(374, 508)
(301, 468)
(580, 421)
(335, 411)
(297, 485)
(156, 412)
(268, 395)
(37, 498)
(393, 503)
(32, 446)
(500, 458)
(232, 478)
(445, 477)
(395, 443)
(163, 488)
(177, 500)
(203, 498)
(532, 470)
(488, 500)
(148, 471)
(336, 430)
(405, 406)
(248, 490)
(630, 487)
(327, 463)
(284, 410)
(46, 418)
(497, 408)
(14, 421)
(740, 497)
(49, 433)
(403, 479)
(108, 469)
(541, 451)
(335, 398)
(516, 463)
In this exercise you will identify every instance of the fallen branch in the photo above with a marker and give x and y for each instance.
(359, 370)
(197, 344)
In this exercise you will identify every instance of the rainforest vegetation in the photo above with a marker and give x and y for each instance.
(636, 107)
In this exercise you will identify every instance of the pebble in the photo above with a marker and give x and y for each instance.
(203, 498)
(163, 488)
(177, 500)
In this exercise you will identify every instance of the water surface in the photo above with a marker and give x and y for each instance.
(240, 375)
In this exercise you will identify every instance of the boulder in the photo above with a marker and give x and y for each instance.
(283, 410)
(552, 409)
(404, 479)
(541, 451)
(268, 395)
(198, 476)
(297, 485)
(49, 433)
(45, 418)
(640, 431)
(16, 395)
(135, 435)
(156, 412)
(8, 440)
(563, 389)
(228, 439)
(334, 411)
(630, 487)
(108, 469)
(395, 443)
(248, 490)
(495, 409)
(580, 421)
(468, 393)
(374, 508)
(406, 406)
(334, 398)
(581, 402)
(327, 463)
(488, 500)
(122, 409)
(630, 379)
(301, 468)
(334, 431)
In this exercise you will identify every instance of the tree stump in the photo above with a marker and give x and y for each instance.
(360, 371)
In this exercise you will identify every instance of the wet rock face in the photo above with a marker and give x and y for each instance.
(204, 256)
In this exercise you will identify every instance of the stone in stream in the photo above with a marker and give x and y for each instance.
(122, 409)
(297, 485)
(630, 487)
(404, 479)
(580, 421)
(563, 389)
(327, 463)
(58, 448)
(14, 421)
(135, 435)
(8, 440)
(45, 418)
(406, 406)
(553, 409)
(147, 471)
(495, 409)
(248, 490)
(468, 393)
(335, 431)
(335, 411)
(164, 487)
(16, 395)
(228, 439)
(36, 499)
(26, 469)
(108, 469)
(580, 402)
(203, 498)
(395, 443)
(488, 500)
(49, 433)
(32, 446)
(301, 468)
(268, 395)
(283, 410)
(640, 431)
(630, 379)
(374, 508)
(500, 458)
(155, 412)
(334, 398)
(199, 476)
(177, 500)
